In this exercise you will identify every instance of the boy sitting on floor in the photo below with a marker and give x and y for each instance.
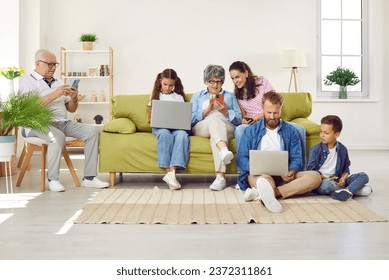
(330, 159)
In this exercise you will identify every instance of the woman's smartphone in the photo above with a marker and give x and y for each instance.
(220, 98)
(250, 120)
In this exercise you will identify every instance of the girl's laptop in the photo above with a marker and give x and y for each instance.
(274, 163)
(171, 115)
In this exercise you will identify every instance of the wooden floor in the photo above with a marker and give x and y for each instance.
(36, 225)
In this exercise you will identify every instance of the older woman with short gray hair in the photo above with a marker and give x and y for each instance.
(212, 71)
(215, 113)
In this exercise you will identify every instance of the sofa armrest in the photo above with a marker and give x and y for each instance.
(120, 125)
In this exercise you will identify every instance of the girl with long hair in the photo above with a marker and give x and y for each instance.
(173, 144)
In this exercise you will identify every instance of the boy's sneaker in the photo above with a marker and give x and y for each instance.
(251, 194)
(218, 184)
(171, 181)
(226, 156)
(268, 198)
(365, 191)
(342, 195)
(56, 186)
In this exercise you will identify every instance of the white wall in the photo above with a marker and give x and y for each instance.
(9, 41)
(150, 35)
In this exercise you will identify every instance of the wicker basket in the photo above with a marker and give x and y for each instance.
(13, 167)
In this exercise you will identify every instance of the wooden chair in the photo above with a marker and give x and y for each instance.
(33, 144)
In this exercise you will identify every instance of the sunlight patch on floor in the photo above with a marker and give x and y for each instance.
(16, 200)
(69, 223)
(4, 217)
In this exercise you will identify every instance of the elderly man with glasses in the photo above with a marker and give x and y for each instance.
(61, 98)
(215, 113)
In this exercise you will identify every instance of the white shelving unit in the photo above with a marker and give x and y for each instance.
(79, 61)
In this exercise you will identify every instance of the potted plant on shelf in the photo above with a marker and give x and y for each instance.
(87, 40)
(342, 77)
(24, 110)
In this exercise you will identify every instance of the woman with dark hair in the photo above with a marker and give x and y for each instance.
(215, 113)
(173, 144)
(249, 90)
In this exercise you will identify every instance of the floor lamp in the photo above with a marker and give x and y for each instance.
(293, 59)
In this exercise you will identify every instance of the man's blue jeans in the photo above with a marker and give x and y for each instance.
(172, 148)
(354, 183)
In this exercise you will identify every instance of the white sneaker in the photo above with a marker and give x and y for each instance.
(365, 191)
(226, 156)
(218, 184)
(268, 198)
(95, 183)
(251, 194)
(171, 181)
(56, 186)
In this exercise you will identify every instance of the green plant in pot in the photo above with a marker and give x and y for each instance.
(22, 110)
(343, 77)
(87, 40)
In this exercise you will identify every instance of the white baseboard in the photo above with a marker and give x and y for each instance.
(357, 147)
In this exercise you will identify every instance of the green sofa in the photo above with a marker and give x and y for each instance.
(128, 146)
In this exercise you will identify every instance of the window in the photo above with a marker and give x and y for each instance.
(342, 42)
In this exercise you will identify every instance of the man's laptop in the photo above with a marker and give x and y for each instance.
(171, 114)
(274, 163)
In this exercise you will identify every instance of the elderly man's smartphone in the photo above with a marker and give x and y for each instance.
(75, 83)
(220, 98)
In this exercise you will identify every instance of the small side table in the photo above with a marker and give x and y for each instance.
(8, 159)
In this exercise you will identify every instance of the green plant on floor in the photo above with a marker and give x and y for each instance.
(88, 37)
(24, 110)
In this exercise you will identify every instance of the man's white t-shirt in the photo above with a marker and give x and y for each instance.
(35, 82)
(271, 141)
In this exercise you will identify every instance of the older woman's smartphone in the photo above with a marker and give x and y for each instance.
(220, 98)
(250, 120)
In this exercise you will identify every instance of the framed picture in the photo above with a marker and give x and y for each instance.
(92, 71)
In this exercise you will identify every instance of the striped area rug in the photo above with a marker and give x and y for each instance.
(202, 206)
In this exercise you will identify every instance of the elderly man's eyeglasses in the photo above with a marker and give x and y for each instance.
(51, 65)
(219, 83)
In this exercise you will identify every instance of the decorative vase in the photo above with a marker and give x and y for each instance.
(7, 144)
(7, 153)
(87, 46)
(11, 89)
(342, 92)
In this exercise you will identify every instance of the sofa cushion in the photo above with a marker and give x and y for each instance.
(296, 105)
(120, 125)
(311, 127)
(133, 107)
